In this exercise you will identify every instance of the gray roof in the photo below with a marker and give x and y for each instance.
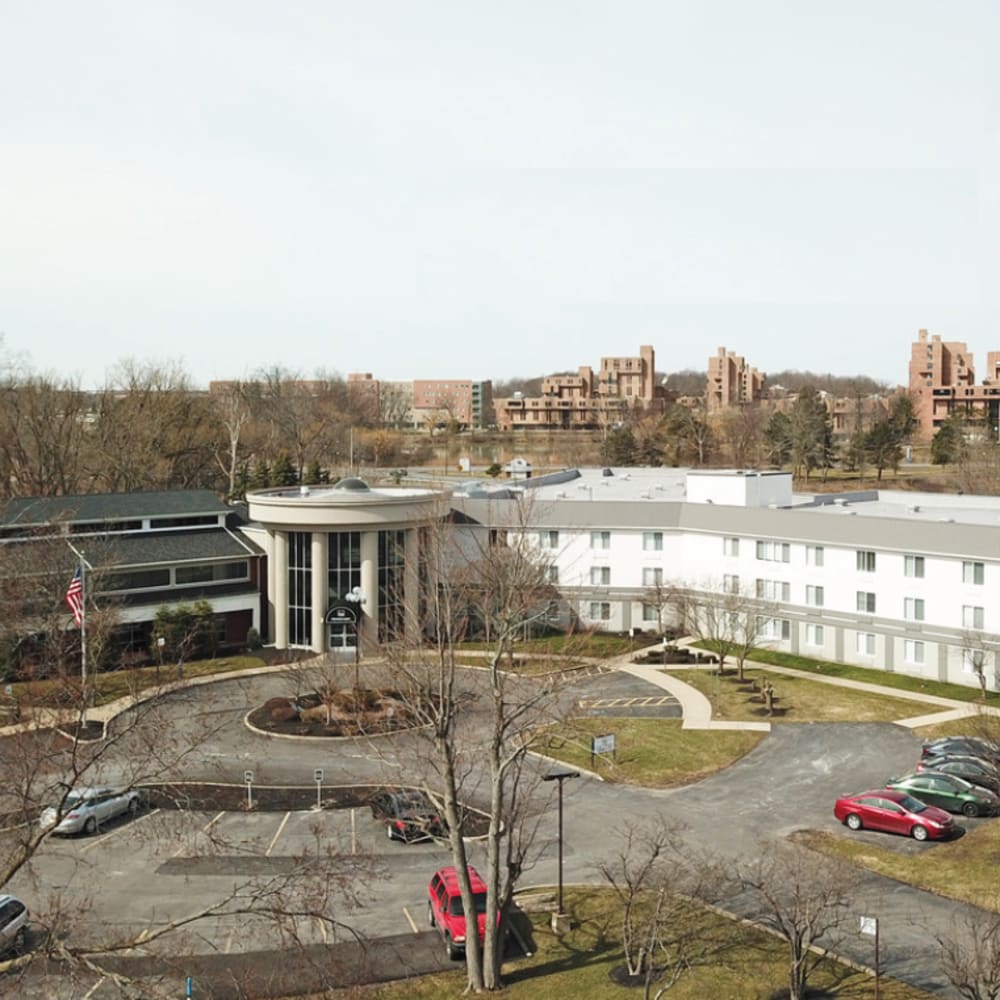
(111, 507)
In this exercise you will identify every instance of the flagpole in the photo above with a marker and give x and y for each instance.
(83, 564)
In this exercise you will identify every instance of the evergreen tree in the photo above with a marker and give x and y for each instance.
(283, 473)
(948, 443)
(778, 438)
(314, 474)
(618, 448)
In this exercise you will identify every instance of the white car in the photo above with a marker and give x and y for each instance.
(85, 809)
(13, 924)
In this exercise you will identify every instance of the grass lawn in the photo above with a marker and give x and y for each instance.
(119, 683)
(829, 668)
(752, 966)
(985, 726)
(599, 645)
(963, 869)
(798, 699)
(652, 752)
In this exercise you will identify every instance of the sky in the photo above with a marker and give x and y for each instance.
(438, 189)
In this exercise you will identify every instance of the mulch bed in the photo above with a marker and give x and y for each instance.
(363, 713)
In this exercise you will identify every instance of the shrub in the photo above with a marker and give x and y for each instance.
(253, 639)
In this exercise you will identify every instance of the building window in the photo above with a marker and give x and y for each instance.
(650, 613)
(972, 572)
(600, 539)
(772, 590)
(391, 570)
(343, 558)
(913, 609)
(973, 661)
(548, 539)
(211, 573)
(730, 546)
(140, 579)
(913, 566)
(814, 555)
(600, 576)
(652, 541)
(552, 574)
(600, 611)
(300, 588)
(731, 583)
(652, 577)
(972, 617)
(814, 596)
(774, 551)
(913, 651)
(774, 628)
(814, 635)
(866, 602)
(865, 643)
(866, 561)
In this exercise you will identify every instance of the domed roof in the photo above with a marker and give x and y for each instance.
(353, 484)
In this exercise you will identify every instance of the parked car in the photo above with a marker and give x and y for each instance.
(408, 815)
(13, 924)
(965, 746)
(445, 910)
(972, 769)
(893, 812)
(947, 791)
(85, 809)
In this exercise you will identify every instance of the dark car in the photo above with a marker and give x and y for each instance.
(893, 812)
(947, 791)
(972, 769)
(408, 815)
(964, 746)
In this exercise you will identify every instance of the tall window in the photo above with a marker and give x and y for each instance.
(300, 588)
(866, 602)
(865, 643)
(391, 567)
(600, 576)
(972, 617)
(814, 555)
(600, 611)
(730, 546)
(600, 539)
(772, 590)
(866, 561)
(913, 609)
(548, 539)
(972, 572)
(652, 576)
(913, 566)
(650, 613)
(552, 574)
(731, 583)
(343, 563)
(913, 651)
(774, 628)
(652, 541)
(814, 596)
(814, 635)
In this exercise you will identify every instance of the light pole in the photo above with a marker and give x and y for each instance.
(358, 598)
(560, 776)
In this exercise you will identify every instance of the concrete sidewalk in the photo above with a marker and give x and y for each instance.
(697, 710)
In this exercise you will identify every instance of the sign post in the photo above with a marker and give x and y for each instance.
(318, 778)
(869, 927)
(248, 778)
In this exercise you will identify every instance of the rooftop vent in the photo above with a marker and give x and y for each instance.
(914, 508)
(840, 502)
(606, 472)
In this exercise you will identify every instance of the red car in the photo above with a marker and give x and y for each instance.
(445, 911)
(894, 812)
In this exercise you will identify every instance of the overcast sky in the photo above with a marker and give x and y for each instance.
(483, 190)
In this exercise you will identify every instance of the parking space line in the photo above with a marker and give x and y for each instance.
(228, 949)
(277, 834)
(90, 845)
(323, 933)
(411, 921)
(93, 989)
(215, 819)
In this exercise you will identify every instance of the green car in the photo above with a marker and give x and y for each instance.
(947, 791)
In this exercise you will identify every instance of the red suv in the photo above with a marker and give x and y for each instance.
(444, 907)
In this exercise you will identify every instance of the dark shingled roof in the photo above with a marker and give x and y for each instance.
(111, 507)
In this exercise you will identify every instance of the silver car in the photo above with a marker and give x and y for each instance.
(13, 924)
(85, 809)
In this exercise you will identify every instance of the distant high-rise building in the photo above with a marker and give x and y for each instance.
(731, 381)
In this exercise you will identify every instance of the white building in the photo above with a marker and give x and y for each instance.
(899, 581)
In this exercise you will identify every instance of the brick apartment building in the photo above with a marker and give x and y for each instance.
(587, 399)
(732, 382)
(943, 381)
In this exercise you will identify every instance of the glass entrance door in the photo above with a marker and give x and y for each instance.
(342, 637)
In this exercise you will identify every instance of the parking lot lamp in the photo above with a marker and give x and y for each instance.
(560, 776)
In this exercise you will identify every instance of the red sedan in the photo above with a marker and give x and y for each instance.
(894, 812)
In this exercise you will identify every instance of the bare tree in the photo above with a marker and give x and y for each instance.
(233, 411)
(802, 897)
(661, 889)
(970, 956)
(979, 656)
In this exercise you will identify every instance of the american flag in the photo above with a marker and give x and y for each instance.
(74, 596)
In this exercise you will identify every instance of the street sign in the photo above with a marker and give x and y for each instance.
(869, 926)
(318, 775)
(248, 777)
(604, 744)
